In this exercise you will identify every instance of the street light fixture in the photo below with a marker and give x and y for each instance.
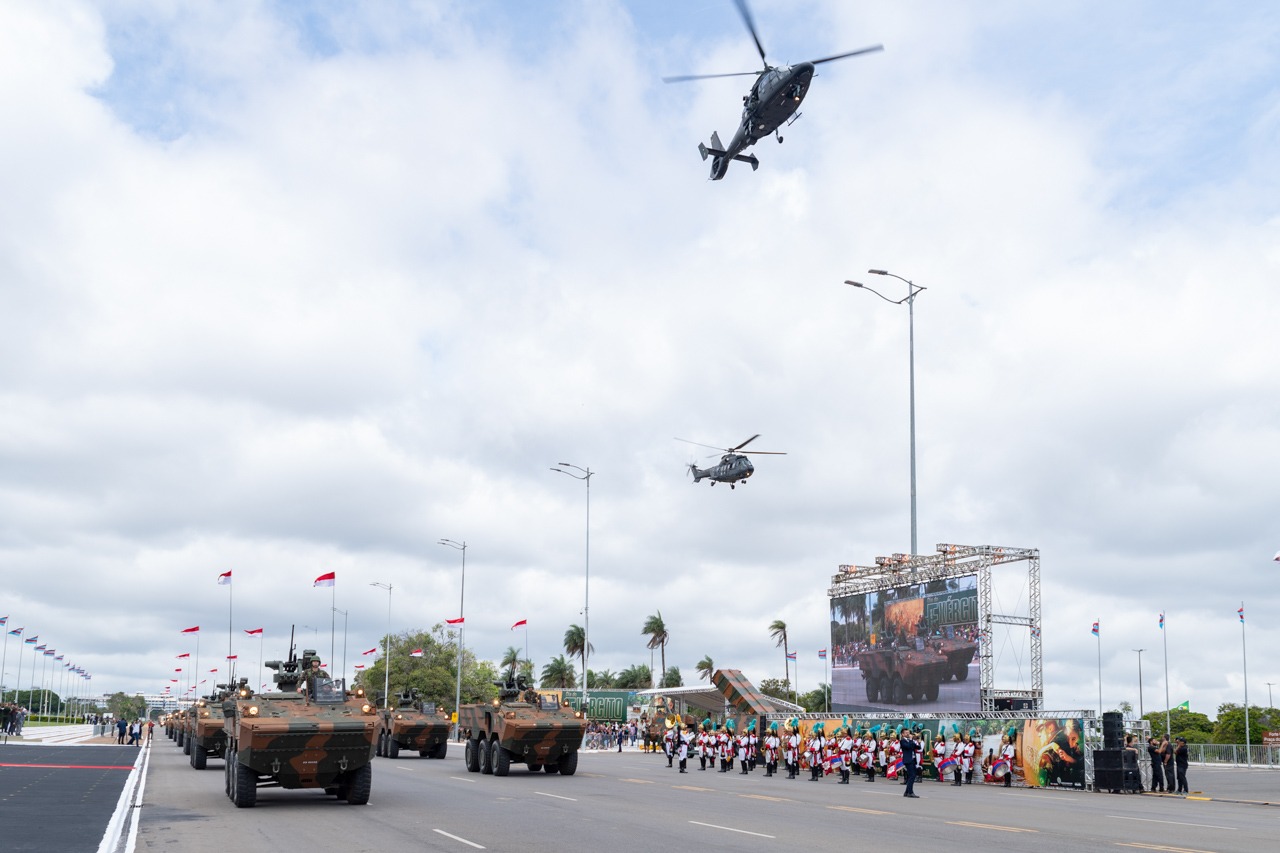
(1139, 651)
(462, 626)
(913, 290)
(386, 648)
(586, 605)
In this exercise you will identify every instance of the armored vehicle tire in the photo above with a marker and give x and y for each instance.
(244, 787)
(899, 691)
(551, 768)
(534, 767)
(377, 748)
(501, 760)
(393, 746)
(885, 687)
(486, 757)
(931, 693)
(359, 785)
(423, 753)
(199, 757)
(471, 756)
(569, 763)
(440, 751)
(186, 745)
(962, 673)
(873, 689)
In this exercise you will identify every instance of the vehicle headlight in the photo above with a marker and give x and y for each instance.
(252, 711)
(367, 708)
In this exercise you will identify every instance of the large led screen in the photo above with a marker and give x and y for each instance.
(909, 648)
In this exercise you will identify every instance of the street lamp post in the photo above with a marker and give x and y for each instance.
(462, 626)
(1269, 704)
(386, 648)
(1139, 651)
(913, 290)
(586, 604)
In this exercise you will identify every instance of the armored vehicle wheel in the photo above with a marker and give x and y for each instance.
(199, 757)
(393, 746)
(899, 691)
(873, 689)
(931, 693)
(486, 757)
(962, 673)
(550, 768)
(359, 785)
(186, 745)
(424, 753)
(885, 684)
(501, 760)
(569, 763)
(244, 787)
(226, 772)
(440, 751)
(377, 746)
(471, 756)
(534, 767)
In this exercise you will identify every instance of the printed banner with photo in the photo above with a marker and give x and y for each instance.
(909, 648)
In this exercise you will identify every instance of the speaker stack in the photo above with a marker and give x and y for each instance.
(1108, 772)
(1113, 730)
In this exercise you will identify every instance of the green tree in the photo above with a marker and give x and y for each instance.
(656, 630)
(637, 677)
(126, 707)
(1230, 725)
(559, 673)
(434, 675)
(1196, 728)
(602, 680)
(510, 659)
(706, 667)
(576, 645)
(671, 678)
(778, 633)
(815, 701)
(779, 688)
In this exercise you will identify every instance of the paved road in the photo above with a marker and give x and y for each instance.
(631, 802)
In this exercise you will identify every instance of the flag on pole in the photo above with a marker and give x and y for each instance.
(822, 654)
(1095, 627)
(4, 620)
(224, 578)
(457, 621)
(16, 632)
(1240, 611)
(233, 657)
(1277, 557)
(195, 630)
(791, 655)
(174, 680)
(359, 666)
(179, 669)
(325, 580)
(416, 653)
(215, 669)
(371, 651)
(252, 631)
(31, 641)
(184, 655)
(519, 624)
(1185, 706)
(1161, 620)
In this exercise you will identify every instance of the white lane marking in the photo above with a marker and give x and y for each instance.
(463, 779)
(731, 829)
(456, 838)
(1174, 822)
(557, 796)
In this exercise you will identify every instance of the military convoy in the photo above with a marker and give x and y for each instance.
(205, 734)
(320, 738)
(521, 727)
(894, 674)
(410, 726)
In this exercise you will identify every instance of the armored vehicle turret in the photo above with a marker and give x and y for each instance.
(309, 733)
(412, 725)
(521, 726)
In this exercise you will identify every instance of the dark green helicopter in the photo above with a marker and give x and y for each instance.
(772, 101)
(734, 465)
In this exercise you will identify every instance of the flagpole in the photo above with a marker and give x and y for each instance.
(1099, 636)
(1245, 652)
(826, 689)
(4, 660)
(230, 622)
(260, 636)
(526, 639)
(1164, 632)
(18, 684)
(333, 619)
(196, 672)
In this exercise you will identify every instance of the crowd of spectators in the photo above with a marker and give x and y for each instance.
(12, 717)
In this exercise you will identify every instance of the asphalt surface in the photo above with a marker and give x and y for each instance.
(632, 802)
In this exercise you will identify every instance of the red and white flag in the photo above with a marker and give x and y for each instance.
(1277, 557)
(371, 651)
(457, 621)
(194, 630)
(416, 653)
(215, 669)
(184, 655)
(224, 578)
(233, 657)
(179, 669)
(520, 624)
(174, 680)
(359, 666)
(252, 631)
(324, 580)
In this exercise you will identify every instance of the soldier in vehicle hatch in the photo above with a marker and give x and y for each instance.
(310, 672)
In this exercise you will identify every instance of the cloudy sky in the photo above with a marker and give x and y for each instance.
(295, 288)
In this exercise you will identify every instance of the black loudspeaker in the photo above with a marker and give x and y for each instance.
(1113, 730)
(1108, 773)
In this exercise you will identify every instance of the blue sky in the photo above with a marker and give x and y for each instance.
(296, 288)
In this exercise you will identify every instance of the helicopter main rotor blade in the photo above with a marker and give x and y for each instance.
(765, 452)
(872, 49)
(744, 444)
(751, 27)
(708, 446)
(685, 77)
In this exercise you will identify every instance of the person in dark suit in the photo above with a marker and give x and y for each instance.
(910, 754)
(1180, 764)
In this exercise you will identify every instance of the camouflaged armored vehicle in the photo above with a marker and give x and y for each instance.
(895, 674)
(959, 654)
(206, 736)
(411, 726)
(310, 733)
(521, 727)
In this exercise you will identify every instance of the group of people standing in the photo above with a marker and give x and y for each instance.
(12, 716)
(895, 753)
(1168, 765)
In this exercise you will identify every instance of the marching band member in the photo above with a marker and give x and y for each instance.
(892, 755)
(724, 746)
(682, 747)
(869, 749)
(1007, 753)
(771, 745)
(703, 749)
(792, 753)
(956, 754)
(939, 753)
(744, 750)
(845, 749)
(753, 745)
(817, 742)
(970, 749)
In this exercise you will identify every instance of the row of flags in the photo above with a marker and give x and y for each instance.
(1160, 623)
(43, 648)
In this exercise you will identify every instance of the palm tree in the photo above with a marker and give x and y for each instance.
(604, 679)
(706, 667)
(510, 660)
(558, 673)
(656, 630)
(636, 677)
(671, 678)
(576, 645)
(778, 633)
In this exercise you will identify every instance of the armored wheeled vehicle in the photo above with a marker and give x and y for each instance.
(309, 733)
(959, 654)
(521, 727)
(412, 726)
(895, 674)
(207, 735)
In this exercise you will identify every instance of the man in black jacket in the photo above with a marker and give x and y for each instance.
(910, 752)
(1180, 761)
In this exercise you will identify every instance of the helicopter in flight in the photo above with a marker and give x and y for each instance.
(773, 100)
(734, 466)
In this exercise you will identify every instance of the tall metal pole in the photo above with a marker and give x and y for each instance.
(1248, 760)
(1269, 705)
(913, 290)
(1139, 651)
(1168, 714)
(344, 644)
(586, 605)
(386, 648)
(462, 626)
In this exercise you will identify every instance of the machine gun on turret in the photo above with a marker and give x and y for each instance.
(287, 675)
